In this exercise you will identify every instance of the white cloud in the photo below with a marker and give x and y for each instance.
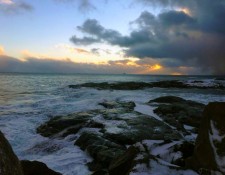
(8, 2)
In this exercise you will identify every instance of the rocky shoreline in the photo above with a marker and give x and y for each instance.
(123, 141)
(216, 84)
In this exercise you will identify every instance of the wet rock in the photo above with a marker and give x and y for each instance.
(141, 128)
(101, 172)
(119, 125)
(9, 163)
(102, 150)
(177, 111)
(36, 168)
(170, 84)
(220, 79)
(132, 85)
(69, 124)
(127, 106)
(168, 99)
(115, 86)
(197, 81)
(125, 163)
(144, 85)
(187, 150)
(209, 152)
(45, 147)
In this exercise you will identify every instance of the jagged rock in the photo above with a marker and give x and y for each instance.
(9, 163)
(102, 150)
(141, 128)
(36, 168)
(66, 124)
(128, 106)
(119, 125)
(209, 152)
(177, 111)
(187, 150)
(118, 122)
(124, 164)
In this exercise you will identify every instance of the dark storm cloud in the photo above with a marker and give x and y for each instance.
(149, 25)
(15, 7)
(195, 37)
(84, 40)
(209, 13)
(175, 18)
(97, 33)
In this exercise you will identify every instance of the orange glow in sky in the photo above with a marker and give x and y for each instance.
(156, 67)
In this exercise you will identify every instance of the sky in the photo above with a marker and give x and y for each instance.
(174, 37)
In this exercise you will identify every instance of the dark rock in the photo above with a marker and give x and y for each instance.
(178, 112)
(168, 99)
(132, 85)
(36, 168)
(120, 126)
(197, 81)
(9, 163)
(95, 124)
(220, 78)
(69, 124)
(170, 84)
(187, 150)
(101, 172)
(141, 128)
(102, 150)
(115, 86)
(45, 147)
(143, 85)
(209, 147)
(128, 106)
(124, 164)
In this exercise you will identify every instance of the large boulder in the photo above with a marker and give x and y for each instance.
(64, 124)
(209, 152)
(9, 163)
(179, 112)
(141, 128)
(124, 164)
(102, 150)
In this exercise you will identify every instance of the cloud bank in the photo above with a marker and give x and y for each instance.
(188, 33)
(47, 65)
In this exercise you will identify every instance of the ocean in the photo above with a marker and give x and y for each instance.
(28, 100)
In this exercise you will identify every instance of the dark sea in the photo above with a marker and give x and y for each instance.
(28, 100)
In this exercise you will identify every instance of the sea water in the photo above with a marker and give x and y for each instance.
(29, 100)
